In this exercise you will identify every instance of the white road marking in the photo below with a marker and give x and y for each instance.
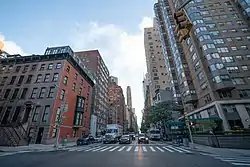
(114, 148)
(129, 148)
(106, 149)
(144, 149)
(152, 148)
(242, 164)
(121, 148)
(136, 149)
(174, 149)
(99, 149)
(168, 149)
(160, 149)
(182, 149)
(93, 148)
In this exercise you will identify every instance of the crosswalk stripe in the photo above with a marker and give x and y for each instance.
(144, 149)
(121, 148)
(114, 148)
(242, 164)
(106, 148)
(136, 149)
(160, 149)
(152, 148)
(93, 148)
(129, 148)
(174, 149)
(99, 149)
(168, 149)
(182, 149)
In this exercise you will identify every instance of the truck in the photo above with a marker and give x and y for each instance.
(113, 133)
(154, 134)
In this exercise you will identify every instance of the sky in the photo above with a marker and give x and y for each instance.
(114, 27)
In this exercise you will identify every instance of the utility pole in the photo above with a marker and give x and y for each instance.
(59, 122)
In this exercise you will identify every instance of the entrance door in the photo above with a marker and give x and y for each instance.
(39, 135)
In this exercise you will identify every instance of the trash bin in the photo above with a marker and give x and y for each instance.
(185, 142)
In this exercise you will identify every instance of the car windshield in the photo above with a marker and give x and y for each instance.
(142, 135)
(125, 136)
(155, 132)
(112, 130)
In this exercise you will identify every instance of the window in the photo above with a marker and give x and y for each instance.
(3, 68)
(26, 67)
(75, 77)
(33, 67)
(46, 78)
(19, 82)
(42, 67)
(239, 57)
(24, 92)
(238, 81)
(233, 69)
(39, 78)
(194, 56)
(80, 91)
(222, 50)
(204, 86)
(42, 92)
(62, 94)
(10, 68)
(55, 77)
(214, 33)
(14, 95)
(4, 80)
(33, 93)
(229, 39)
(46, 114)
(244, 47)
(227, 59)
(197, 66)
(244, 68)
(233, 47)
(68, 68)
(13, 78)
(218, 41)
(58, 65)
(80, 102)
(211, 25)
(18, 68)
(65, 80)
(50, 66)
(51, 92)
(6, 94)
(201, 76)
(238, 38)
(36, 114)
(208, 46)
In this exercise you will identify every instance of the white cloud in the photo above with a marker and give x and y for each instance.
(123, 52)
(10, 46)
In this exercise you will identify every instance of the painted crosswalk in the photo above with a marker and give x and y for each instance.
(131, 148)
(236, 160)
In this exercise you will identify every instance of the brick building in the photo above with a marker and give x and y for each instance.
(33, 90)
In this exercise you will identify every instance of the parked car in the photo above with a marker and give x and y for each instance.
(143, 139)
(85, 140)
(98, 139)
(125, 139)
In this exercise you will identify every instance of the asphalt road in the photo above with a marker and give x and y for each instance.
(132, 155)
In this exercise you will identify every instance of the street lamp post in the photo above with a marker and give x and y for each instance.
(63, 108)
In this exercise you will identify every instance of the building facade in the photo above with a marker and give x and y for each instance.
(156, 68)
(95, 64)
(117, 110)
(212, 64)
(38, 90)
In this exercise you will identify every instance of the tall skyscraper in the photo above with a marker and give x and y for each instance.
(156, 68)
(212, 64)
(95, 64)
(129, 97)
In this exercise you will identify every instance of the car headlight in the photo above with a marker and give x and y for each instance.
(146, 138)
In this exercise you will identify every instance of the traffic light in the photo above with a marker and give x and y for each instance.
(183, 25)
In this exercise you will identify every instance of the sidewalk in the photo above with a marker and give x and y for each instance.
(34, 147)
(221, 151)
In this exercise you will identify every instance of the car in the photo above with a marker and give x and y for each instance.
(132, 135)
(107, 139)
(125, 139)
(143, 139)
(85, 140)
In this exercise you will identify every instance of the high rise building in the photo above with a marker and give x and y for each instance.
(113, 79)
(212, 64)
(95, 64)
(129, 97)
(117, 110)
(156, 68)
(37, 91)
(145, 84)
